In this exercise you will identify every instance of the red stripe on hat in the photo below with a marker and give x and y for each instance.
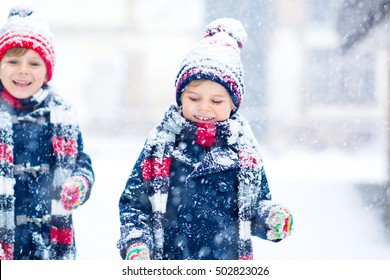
(63, 146)
(6, 153)
(234, 86)
(19, 38)
(152, 168)
(37, 43)
(61, 235)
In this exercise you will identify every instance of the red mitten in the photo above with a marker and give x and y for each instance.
(74, 192)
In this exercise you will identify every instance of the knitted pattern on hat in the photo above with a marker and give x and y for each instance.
(217, 58)
(158, 150)
(64, 140)
(25, 28)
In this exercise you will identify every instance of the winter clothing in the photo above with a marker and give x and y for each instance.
(25, 28)
(40, 147)
(216, 57)
(279, 222)
(138, 251)
(186, 200)
(74, 192)
(199, 190)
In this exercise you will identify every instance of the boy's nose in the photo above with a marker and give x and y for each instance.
(22, 68)
(204, 105)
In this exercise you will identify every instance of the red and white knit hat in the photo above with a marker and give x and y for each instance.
(216, 57)
(26, 28)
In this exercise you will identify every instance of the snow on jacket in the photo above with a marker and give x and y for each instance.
(201, 220)
(43, 229)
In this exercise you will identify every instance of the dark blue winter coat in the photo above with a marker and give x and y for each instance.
(202, 213)
(33, 191)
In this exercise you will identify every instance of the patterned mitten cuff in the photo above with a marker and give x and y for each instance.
(138, 251)
(279, 222)
(74, 191)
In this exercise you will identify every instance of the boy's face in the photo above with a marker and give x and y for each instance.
(206, 102)
(22, 75)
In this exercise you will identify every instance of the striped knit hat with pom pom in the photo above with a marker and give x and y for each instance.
(26, 28)
(217, 58)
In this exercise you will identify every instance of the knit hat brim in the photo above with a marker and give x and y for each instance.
(212, 74)
(15, 39)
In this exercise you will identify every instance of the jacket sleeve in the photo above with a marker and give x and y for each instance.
(262, 202)
(270, 221)
(83, 166)
(135, 211)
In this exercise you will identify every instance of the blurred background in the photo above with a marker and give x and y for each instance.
(317, 75)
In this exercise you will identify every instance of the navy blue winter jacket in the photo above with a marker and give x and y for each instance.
(33, 191)
(202, 213)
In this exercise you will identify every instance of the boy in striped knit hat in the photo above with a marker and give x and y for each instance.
(199, 190)
(44, 173)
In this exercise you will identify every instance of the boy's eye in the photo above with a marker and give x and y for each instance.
(217, 101)
(12, 61)
(193, 98)
(35, 64)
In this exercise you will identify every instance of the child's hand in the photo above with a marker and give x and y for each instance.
(279, 223)
(138, 251)
(73, 192)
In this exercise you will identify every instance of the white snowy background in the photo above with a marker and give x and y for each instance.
(331, 219)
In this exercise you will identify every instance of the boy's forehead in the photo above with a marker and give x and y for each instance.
(206, 84)
(206, 90)
(21, 51)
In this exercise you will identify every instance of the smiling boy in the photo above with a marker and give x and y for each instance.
(198, 189)
(44, 172)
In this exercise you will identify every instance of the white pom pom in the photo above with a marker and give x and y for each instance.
(230, 26)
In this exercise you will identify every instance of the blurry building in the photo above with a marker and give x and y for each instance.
(365, 27)
(319, 95)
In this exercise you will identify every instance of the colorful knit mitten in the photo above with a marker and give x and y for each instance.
(138, 251)
(279, 222)
(74, 192)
